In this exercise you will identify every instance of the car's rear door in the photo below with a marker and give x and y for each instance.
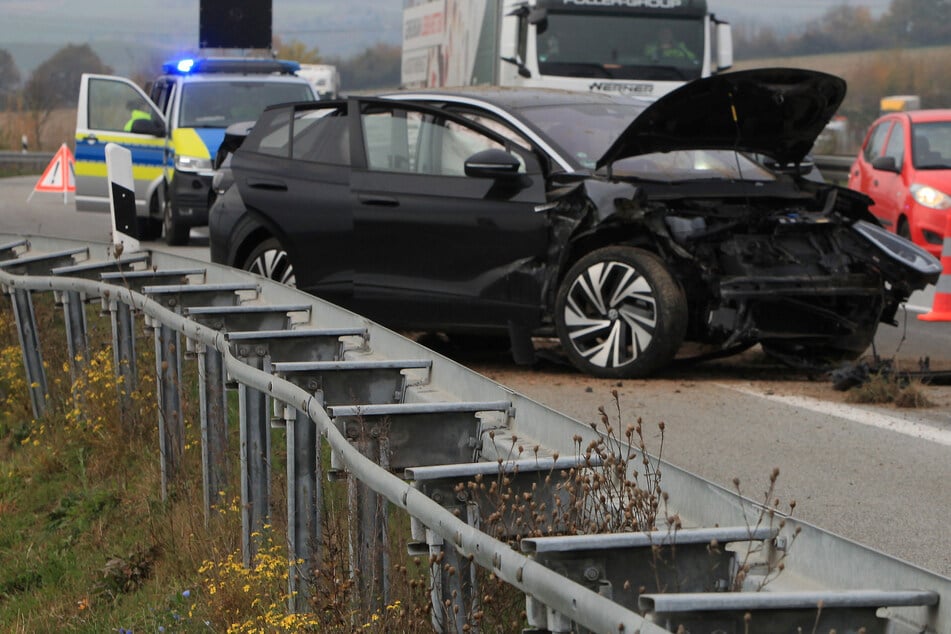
(436, 247)
(107, 109)
(293, 174)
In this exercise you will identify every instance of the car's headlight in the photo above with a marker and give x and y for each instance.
(930, 197)
(192, 164)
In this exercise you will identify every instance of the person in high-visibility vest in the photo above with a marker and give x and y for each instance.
(135, 115)
(667, 49)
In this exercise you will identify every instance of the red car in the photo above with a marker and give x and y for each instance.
(905, 167)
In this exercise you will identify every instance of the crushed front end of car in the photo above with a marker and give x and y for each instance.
(809, 278)
(762, 256)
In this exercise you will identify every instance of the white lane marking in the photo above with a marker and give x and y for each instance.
(855, 414)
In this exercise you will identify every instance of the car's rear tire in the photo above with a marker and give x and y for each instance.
(619, 313)
(269, 259)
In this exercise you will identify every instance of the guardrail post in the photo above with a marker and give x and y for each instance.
(213, 405)
(255, 426)
(171, 425)
(454, 593)
(304, 501)
(123, 352)
(76, 343)
(30, 344)
(368, 526)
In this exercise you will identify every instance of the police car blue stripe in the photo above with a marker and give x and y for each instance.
(141, 154)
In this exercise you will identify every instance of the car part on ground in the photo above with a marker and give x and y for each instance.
(623, 227)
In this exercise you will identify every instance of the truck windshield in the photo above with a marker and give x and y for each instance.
(621, 46)
(218, 104)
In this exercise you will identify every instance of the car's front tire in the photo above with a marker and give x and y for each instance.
(620, 313)
(176, 233)
(269, 259)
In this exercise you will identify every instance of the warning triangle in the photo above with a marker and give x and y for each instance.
(59, 175)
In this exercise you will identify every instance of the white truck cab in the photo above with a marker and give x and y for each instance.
(644, 48)
(173, 132)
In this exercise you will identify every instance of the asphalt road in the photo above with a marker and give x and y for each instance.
(876, 474)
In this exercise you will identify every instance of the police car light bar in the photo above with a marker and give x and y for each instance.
(242, 65)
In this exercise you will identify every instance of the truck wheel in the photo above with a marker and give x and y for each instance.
(269, 259)
(176, 233)
(619, 313)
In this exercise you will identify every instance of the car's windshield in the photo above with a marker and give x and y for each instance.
(218, 104)
(621, 46)
(584, 132)
(931, 145)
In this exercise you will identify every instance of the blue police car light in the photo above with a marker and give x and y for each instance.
(185, 65)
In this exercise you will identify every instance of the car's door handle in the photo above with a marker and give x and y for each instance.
(379, 201)
(268, 184)
(90, 138)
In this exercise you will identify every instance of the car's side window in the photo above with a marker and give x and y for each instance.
(896, 143)
(389, 138)
(114, 105)
(403, 140)
(161, 93)
(271, 134)
(876, 141)
(321, 136)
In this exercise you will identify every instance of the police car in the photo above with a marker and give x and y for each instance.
(173, 133)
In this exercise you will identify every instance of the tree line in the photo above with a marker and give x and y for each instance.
(845, 27)
(30, 104)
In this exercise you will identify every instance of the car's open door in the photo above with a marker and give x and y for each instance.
(115, 110)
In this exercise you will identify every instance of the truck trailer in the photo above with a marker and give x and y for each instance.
(644, 48)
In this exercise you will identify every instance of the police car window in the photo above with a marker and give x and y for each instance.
(321, 135)
(114, 105)
(218, 104)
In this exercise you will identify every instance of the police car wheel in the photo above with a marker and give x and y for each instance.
(176, 234)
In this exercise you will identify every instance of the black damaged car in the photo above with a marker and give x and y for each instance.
(625, 228)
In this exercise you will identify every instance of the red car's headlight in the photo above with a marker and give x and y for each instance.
(930, 197)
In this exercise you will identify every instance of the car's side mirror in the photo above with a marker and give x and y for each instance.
(148, 126)
(492, 163)
(886, 164)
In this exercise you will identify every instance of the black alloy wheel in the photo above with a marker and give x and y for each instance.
(620, 313)
(269, 259)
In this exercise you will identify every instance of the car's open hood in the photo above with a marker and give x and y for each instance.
(778, 112)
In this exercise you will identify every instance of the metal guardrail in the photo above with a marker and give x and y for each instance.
(25, 161)
(411, 427)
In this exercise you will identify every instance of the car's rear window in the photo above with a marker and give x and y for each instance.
(316, 134)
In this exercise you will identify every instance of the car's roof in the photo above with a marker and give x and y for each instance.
(518, 98)
(231, 77)
(927, 116)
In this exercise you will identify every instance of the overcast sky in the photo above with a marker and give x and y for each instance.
(338, 28)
